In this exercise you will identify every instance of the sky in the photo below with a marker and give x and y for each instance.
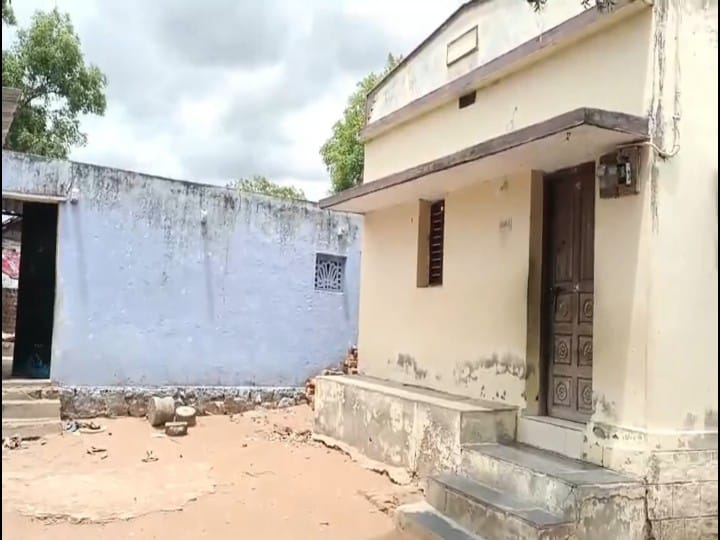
(222, 89)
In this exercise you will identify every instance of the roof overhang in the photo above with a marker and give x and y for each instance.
(539, 47)
(10, 100)
(563, 141)
(32, 197)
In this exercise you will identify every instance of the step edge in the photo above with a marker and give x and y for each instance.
(38, 420)
(407, 510)
(561, 520)
(43, 401)
(474, 447)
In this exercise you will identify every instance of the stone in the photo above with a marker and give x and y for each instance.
(160, 410)
(285, 402)
(50, 392)
(236, 405)
(215, 407)
(660, 501)
(87, 402)
(686, 500)
(176, 429)
(709, 498)
(116, 405)
(137, 406)
(186, 414)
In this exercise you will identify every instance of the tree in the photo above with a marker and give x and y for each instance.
(260, 184)
(47, 64)
(8, 15)
(602, 5)
(343, 152)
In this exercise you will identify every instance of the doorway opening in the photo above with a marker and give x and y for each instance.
(29, 264)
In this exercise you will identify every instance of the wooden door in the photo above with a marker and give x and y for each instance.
(568, 309)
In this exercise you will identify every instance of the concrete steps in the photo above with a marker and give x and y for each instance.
(30, 428)
(422, 521)
(555, 482)
(514, 491)
(29, 408)
(492, 513)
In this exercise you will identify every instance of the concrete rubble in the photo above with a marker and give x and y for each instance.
(349, 366)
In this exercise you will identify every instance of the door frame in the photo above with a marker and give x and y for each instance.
(545, 279)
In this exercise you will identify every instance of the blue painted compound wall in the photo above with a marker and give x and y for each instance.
(162, 282)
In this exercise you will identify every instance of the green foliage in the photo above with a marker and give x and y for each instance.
(602, 5)
(8, 15)
(260, 184)
(46, 63)
(343, 152)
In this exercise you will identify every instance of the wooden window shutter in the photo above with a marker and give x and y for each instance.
(436, 243)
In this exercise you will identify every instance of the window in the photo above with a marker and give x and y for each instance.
(329, 272)
(431, 240)
(436, 239)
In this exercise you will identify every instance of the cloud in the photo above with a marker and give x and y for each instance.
(216, 90)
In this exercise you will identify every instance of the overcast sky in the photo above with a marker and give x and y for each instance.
(215, 90)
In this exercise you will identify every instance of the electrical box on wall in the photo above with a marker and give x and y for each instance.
(617, 173)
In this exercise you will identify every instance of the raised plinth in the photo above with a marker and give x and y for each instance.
(420, 429)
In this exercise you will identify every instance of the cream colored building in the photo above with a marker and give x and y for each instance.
(540, 272)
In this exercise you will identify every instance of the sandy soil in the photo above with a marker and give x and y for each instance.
(256, 475)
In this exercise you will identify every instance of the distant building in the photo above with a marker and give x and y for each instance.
(10, 100)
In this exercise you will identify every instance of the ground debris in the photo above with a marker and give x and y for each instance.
(12, 443)
(288, 434)
(149, 457)
(349, 366)
(83, 427)
(388, 501)
(176, 429)
(95, 450)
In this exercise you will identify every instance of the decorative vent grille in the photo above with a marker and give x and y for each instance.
(329, 272)
(437, 237)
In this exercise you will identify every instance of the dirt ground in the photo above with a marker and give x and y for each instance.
(256, 475)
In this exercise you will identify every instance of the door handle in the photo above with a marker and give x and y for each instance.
(557, 289)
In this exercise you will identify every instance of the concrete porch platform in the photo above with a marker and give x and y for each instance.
(420, 429)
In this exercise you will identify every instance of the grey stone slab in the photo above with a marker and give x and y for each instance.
(422, 393)
(548, 463)
(486, 496)
(424, 522)
(597, 477)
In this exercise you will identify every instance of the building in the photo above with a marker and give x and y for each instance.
(130, 283)
(539, 274)
(11, 225)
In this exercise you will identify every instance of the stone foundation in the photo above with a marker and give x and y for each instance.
(683, 494)
(90, 402)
